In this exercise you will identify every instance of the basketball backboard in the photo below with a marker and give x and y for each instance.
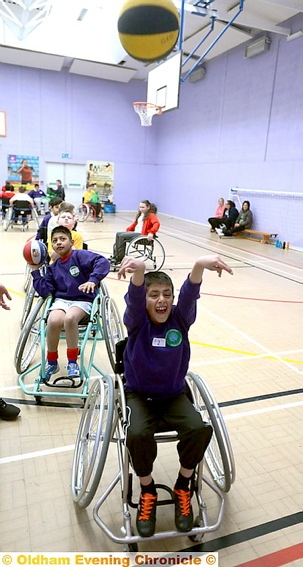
(163, 84)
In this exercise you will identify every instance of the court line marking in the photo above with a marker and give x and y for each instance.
(53, 451)
(277, 558)
(250, 339)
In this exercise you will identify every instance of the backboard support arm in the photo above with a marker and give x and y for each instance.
(200, 8)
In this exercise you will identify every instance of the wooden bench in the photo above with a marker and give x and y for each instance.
(251, 234)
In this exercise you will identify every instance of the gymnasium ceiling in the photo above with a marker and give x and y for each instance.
(80, 36)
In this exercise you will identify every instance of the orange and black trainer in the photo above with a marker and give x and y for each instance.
(146, 514)
(184, 518)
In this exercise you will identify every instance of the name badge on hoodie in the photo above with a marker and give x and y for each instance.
(158, 342)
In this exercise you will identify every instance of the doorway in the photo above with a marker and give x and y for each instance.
(73, 179)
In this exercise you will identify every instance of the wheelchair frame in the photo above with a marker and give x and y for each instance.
(86, 210)
(151, 252)
(10, 218)
(104, 419)
(33, 334)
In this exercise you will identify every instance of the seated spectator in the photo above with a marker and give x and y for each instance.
(22, 206)
(230, 216)
(22, 195)
(243, 221)
(7, 192)
(146, 223)
(219, 214)
(39, 197)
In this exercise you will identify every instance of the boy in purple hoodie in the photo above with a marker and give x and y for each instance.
(73, 281)
(156, 360)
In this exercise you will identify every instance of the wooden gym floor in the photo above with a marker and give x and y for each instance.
(247, 342)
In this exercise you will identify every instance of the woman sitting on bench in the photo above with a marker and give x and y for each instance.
(243, 221)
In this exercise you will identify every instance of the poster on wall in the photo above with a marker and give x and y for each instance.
(23, 170)
(102, 173)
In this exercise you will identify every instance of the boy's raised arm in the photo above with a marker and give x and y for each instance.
(212, 263)
(134, 267)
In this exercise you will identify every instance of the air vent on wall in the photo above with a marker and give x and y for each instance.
(258, 46)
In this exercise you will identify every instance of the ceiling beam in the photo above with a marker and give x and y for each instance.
(296, 5)
(250, 20)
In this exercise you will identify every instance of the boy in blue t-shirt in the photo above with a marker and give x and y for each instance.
(156, 360)
(73, 281)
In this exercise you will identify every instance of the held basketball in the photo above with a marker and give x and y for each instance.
(148, 29)
(35, 252)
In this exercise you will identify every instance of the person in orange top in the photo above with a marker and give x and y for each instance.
(146, 223)
(26, 172)
(7, 190)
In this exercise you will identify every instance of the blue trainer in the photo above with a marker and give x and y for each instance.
(50, 369)
(73, 369)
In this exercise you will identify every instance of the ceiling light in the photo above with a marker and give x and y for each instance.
(257, 47)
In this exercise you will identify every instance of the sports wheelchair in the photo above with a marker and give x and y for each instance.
(28, 286)
(151, 252)
(87, 210)
(20, 213)
(103, 324)
(104, 420)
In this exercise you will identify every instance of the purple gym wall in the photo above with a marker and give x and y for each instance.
(51, 113)
(240, 126)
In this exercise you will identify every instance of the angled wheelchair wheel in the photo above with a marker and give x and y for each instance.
(82, 212)
(103, 289)
(27, 277)
(29, 339)
(113, 328)
(35, 218)
(92, 442)
(151, 252)
(218, 456)
(7, 219)
(28, 302)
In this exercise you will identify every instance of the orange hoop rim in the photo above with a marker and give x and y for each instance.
(150, 105)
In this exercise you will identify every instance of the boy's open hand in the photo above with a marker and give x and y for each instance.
(130, 266)
(87, 287)
(4, 292)
(215, 264)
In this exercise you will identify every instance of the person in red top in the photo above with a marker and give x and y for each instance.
(7, 192)
(146, 223)
(26, 172)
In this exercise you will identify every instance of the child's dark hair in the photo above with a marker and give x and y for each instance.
(151, 209)
(55, 201)
(158, 278)
(61, 229)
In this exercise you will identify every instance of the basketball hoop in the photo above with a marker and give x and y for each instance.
(146, 111)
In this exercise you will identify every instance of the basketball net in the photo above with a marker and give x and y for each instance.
(146, 111)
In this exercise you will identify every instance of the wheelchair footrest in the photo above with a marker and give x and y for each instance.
(162, 502)
(64, 382)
